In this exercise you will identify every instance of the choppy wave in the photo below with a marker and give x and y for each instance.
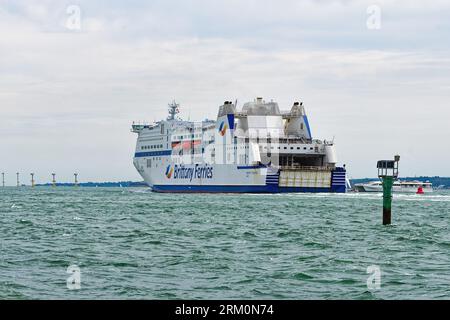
(132, 243)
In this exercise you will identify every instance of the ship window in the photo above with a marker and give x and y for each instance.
(292, 148)
(285, 148)
(298, 148)
(311, 148)
(304, 148)
(149, 163)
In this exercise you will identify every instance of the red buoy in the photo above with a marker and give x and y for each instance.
(419, 190)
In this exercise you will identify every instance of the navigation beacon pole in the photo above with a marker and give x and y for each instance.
(3, 179)
(53, 180)
(18, 182)
(32, 180)
(76, 179)
(388, 172)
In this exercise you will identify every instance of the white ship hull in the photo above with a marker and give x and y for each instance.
(231, 178)
(414, 188)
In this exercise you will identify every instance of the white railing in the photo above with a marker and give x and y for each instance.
(306, 168)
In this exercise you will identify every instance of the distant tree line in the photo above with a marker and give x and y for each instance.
(124, 184)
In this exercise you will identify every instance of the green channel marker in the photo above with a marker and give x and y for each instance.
(388, 172)
(388, 182)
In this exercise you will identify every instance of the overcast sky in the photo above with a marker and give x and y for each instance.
(69, 95)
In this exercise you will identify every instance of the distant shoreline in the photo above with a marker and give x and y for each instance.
(436, 181)
(124, 184)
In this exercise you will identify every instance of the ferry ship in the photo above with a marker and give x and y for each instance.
(258, 149)
(398, 187)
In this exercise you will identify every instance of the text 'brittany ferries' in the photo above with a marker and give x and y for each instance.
(197, 172)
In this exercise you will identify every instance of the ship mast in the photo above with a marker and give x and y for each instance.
(173, 110)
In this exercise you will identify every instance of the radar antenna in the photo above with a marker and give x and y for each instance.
(174, 109)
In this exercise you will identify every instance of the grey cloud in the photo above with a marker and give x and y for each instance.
(68, 98)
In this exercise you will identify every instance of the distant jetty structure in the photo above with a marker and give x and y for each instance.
(53, 181)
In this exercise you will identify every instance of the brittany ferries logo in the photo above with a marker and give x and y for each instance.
(169, 171)
(189, 172)
(223, 128)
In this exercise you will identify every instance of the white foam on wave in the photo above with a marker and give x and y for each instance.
(147, 190)
(366, 196)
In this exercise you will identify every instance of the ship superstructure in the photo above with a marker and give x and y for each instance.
(256, 149)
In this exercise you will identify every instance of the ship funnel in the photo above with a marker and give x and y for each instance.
(227, 108)
(259, 100)
(298, 109)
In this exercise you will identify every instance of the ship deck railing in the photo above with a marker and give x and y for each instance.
(306, 168)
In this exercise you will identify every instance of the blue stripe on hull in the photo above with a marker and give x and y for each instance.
(241, 189)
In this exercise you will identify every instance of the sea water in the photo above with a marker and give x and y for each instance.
(119, 243)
